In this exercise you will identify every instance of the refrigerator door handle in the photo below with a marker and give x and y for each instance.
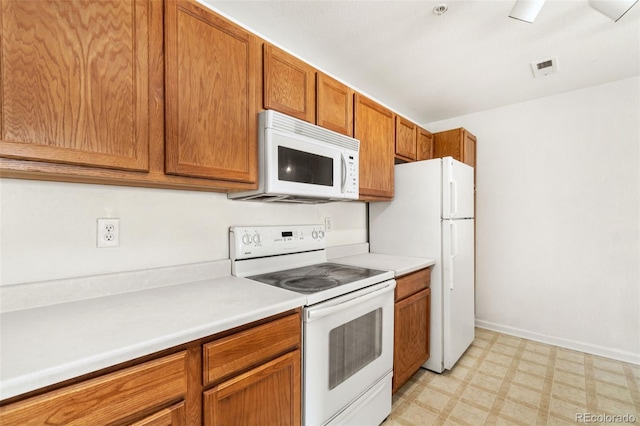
(453, 194)
(453, 250)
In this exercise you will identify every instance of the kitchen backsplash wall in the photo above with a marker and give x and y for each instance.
(48, 229)
(558, 218)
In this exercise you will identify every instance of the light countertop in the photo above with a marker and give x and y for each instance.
(44, 345)
(48, 344)
(401, 265)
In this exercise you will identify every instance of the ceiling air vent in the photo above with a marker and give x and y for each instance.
(545, 67)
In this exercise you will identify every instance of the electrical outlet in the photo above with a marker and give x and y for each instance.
(108, 233)
(328, 224)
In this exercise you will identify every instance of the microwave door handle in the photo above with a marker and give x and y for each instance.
(344, 173)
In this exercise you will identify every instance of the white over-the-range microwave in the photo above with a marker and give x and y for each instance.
(304, 163)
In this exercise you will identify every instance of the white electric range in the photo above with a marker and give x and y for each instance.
(347, 321)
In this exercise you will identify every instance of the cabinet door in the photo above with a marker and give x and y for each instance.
(449, 144)
(289, 84)
(374, 127)
(406, 133)
(411, 336)
(69, 93)
(267, 395)
(469, 149)
(424, 145)
(334, 105)
(457, 143)
(212, 69)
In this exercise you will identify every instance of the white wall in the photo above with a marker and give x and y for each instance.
(48, 229)
(558, 218)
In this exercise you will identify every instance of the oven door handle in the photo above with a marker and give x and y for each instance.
(313, 314)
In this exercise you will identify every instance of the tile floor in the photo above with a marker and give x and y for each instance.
(505, 380)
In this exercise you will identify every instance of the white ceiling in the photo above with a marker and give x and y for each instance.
(472, 58)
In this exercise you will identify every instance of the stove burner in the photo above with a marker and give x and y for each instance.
(315, 278)
(308, 284)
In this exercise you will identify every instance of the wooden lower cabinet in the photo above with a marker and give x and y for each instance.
(123, 396)
(259, 384)
(267, 395)
(254, 375)
(411, 325)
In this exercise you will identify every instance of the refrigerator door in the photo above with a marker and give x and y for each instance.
(457, 288)
(457, 189)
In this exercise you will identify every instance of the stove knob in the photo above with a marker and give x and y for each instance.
(314, 234)
(321, 234)
(246, 239)
(256, 238)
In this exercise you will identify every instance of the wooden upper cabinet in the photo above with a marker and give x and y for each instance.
(469, 149)
(457, 143)
(406, 135)
(374, 127)
(334, 106)
(289, 84)
(212, 73)
(424, 145)
(75, 82)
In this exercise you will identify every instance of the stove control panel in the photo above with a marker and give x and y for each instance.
(246, 242)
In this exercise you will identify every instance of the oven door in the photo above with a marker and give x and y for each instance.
(348, 347)
(297, 165)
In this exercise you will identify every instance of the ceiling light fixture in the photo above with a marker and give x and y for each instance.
(440, 9)
(526, 10)
(612, 9)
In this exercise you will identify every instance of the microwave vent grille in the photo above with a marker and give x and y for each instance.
(289, 124)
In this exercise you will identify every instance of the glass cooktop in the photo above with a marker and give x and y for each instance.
(315, 278)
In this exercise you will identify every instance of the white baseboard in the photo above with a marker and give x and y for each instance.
(630, 357)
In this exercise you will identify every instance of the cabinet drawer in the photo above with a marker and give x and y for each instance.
(240, 351)
(412, 283)
(105, 399)
(175, 415)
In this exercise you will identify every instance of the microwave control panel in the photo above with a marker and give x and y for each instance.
(246, 242)
(351, 184)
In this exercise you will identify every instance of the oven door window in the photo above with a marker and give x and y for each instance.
(353, 346)
(304, 167)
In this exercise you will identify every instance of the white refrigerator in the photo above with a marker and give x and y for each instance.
(432, 215)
